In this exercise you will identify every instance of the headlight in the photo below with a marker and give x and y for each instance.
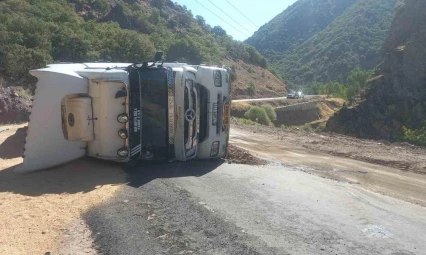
(215, 149)
(123, 133)
(123, 118)
(217, 77)
(123, 152)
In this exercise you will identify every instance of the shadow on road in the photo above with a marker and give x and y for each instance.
(84, 175)
(146, 173)
(13, 146)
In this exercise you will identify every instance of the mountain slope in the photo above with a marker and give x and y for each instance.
(397, 95)
(250, 81)
(352, 40)
(296, 24)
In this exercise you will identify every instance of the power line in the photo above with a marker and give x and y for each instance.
(242, 14)
(221, 18)
(229, 16)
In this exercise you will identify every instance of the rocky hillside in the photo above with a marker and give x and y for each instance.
(323, 41)
(33, 33)
(14, 105)
(250, 81)
(397, 94)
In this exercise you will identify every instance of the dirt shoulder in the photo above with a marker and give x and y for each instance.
(41, 212)
(396, 170)
(240, 156)
(402, 156)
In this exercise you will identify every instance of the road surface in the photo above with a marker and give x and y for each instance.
(405, 185)
(214, 208)
(268, 99)
(210, 207)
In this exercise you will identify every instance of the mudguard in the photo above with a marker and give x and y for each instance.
(46, 145)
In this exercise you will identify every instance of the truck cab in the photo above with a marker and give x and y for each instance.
(215, 105)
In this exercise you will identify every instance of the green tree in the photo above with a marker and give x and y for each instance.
(19, 59)
(154, 18)
(160, 4)
(218, 31)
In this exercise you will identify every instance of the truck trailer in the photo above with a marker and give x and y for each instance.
(124, 112)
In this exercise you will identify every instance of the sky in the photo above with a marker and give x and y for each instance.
(258, 12)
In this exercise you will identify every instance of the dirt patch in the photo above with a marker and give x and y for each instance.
(402, 156)
(38, 211)
(371, 165)
(14, 107)
(241, 156)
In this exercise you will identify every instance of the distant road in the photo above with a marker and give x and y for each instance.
(267, 99)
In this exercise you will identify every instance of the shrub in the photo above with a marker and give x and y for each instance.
(246, 121)
(415, 136)
(270, 111)
(250, 70)
(307, 128)
(258, 114)
(232, 74)
(25, 93)
(251, 89)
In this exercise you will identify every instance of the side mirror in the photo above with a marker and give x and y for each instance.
(158, 56)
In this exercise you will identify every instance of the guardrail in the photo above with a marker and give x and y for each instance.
(268, 99)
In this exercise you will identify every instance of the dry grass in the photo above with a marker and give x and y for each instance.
(242, 106)
(266, 84)
(25, 93)
(328, 107)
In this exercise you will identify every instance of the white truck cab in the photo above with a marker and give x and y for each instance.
(215, 98)
(127, 112)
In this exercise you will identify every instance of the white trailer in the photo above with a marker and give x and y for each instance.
(127, 112)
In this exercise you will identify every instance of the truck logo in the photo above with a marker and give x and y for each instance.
(190, 115)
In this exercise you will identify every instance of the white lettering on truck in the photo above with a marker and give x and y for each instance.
(137, 118)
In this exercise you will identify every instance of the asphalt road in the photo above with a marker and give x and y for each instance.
(268, 99)
(215, 208)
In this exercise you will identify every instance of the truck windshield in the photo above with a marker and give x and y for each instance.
(149, 127)
(203, 113)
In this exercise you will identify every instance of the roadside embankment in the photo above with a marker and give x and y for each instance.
(295, 113)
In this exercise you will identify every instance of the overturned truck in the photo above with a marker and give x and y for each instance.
(127, 113)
